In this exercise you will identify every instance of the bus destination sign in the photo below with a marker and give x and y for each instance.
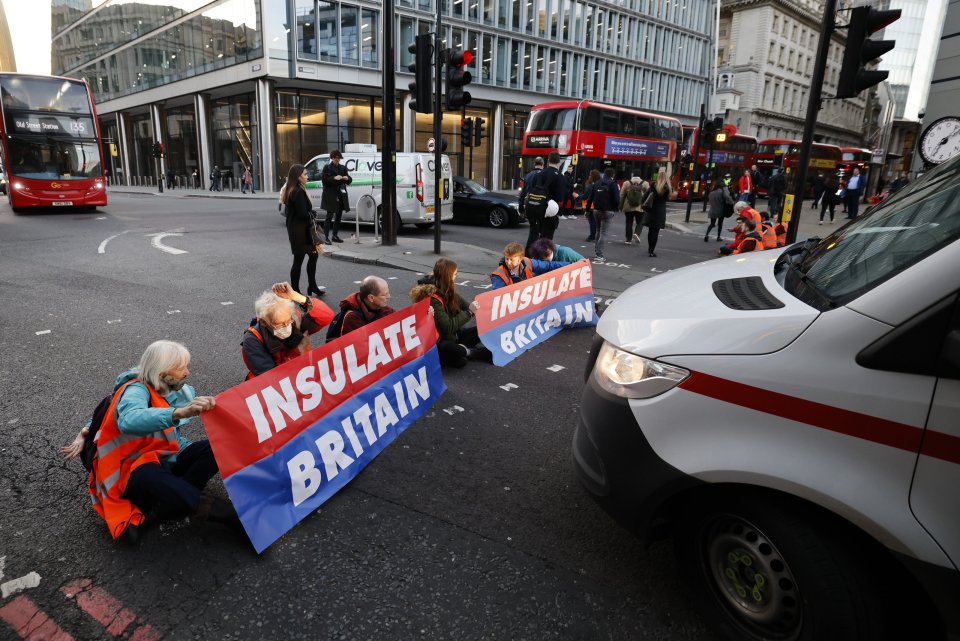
(631, 147)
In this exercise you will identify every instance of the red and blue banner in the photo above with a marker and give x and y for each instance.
(289, 439)
(518, 317)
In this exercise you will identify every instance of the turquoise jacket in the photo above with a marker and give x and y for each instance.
(135, 416)
(566, 255)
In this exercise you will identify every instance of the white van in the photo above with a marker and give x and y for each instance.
(415, 185)
(792, 419)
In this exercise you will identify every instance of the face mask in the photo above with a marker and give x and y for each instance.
(283, 333)
(175, 384)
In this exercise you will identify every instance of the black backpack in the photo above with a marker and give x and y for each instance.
(335, 329)
(538, 196)
(603, 197)
(90, 440)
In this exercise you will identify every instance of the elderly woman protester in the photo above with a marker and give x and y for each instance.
(145, 469)
(285, 320)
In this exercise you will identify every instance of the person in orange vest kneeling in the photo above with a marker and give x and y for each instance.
(144, 469)
(282, 328)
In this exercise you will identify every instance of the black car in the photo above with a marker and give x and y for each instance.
(472, 202)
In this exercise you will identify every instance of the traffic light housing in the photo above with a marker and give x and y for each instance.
(155, 152)
(422, 67)
(860, 50)
(478, 131)
(161, 151)
(466, 132)
(456, 98)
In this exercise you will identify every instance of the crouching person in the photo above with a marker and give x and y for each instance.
(144, 468)
(282, 328)
(514, 267)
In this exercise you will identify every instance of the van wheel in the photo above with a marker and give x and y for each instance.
(398, 223)
(424, 225)
(766, 570)
(498, 217)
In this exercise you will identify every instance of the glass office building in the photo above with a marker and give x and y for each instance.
(268, 83)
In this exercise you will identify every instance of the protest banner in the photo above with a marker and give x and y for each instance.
(515, 318)
(289, 439)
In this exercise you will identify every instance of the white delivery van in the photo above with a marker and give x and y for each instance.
(415, 185)
(792, 418)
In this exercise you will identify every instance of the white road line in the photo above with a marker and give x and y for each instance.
(165, 248)
(556, 368)
(111, 322)
(31, 580)
(227, 302)
(102, 249)
(453, 410)
(173, 311)
(46, 331)
(3, 561)
(508, 387)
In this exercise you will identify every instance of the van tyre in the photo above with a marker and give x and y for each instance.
(424, 225)
(764, 568)
(498, 217)
(398, 223)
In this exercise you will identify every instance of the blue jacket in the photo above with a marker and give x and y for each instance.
(134, 416)
(566, 255)
(538, 267)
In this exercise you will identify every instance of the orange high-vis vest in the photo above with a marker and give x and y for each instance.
(781, 231)
(504, 273)
(748, 245)
(278, 358)
(769, 235)
(118, 455)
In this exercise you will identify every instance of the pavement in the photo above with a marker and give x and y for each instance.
(417, 255)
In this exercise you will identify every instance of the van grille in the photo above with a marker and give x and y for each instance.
(745, 294)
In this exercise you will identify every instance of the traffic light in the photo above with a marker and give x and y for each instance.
(155, 152)
(466, 132)
(478, 131)
(161, 151)
(422, 67)
(860, 51)
(456, 98)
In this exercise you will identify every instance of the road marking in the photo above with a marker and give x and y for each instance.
(111, 322)
(102, 249)
(107, 610)
(508, 387)
(46, 331)
(173, 311)
(227, 302)
(165, 248)
(30, 623)
(556, 368)
(3, 559)
(31, 580)
(453, 410)
(391, 278)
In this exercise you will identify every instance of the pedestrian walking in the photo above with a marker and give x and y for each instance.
(215, 179)
(169, 176)
(567, 207)
(775, 193)
(819, 185)
(631, 204)
(334, 200)
(718, 200)
(756, 179)
(655, 214)
(543, 224)
(592, 180)
(829, 198)
(528, 182)
(247, 181)
(300, 218)
(196, 179)
(746, 186)
(604, 199)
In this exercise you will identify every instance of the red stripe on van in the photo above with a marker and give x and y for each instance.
(870, 428)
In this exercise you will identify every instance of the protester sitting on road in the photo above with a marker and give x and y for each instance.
(145, 470)
(365, 306)
(546, 250)
(456, 343)
(748, 239)
(281, 331)
(740, 210)
(515, 267)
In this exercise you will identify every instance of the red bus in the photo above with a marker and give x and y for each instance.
(854, 157)
(601, 136)
(780, 152)
(50, 139)
(729, 157)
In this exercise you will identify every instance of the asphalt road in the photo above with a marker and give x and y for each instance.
(469, 526)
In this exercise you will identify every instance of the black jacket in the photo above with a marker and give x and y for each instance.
(298, 222)
(527, 182)
(334, 196)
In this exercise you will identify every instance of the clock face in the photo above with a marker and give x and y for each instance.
(941, 141)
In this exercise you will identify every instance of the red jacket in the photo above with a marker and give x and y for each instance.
(746, 184)
(358, 314)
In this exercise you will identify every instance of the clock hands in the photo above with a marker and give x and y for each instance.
(946, 139)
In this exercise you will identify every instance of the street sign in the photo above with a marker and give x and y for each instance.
(431, 145)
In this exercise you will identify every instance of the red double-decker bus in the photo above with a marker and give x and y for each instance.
(596, 136)
(854, 157)
(731, 156)
(783, 153)
(50, 140)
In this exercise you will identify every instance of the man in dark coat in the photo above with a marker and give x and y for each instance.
(542, 226)
(334, 198)
(365, 306)
(528, 180)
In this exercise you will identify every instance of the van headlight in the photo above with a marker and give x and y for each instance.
(630, 376)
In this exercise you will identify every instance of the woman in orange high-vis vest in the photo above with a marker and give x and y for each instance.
(144, 468)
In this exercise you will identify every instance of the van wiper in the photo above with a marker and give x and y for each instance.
(809, 286)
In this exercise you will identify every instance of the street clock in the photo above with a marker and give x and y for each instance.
(941, 140)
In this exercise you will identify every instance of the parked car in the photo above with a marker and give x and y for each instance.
(472, 202)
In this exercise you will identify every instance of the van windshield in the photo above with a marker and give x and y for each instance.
(918, 221)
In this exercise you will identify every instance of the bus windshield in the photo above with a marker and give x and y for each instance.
(39, 94)
(772, 149)
(552, 120)
(53, 159)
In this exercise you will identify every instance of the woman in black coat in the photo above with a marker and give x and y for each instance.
(655, 217)
(299, 213)
(334, 198)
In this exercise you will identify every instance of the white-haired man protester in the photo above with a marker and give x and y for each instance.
(285, 320)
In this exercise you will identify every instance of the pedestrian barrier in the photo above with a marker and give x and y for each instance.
(367, 212)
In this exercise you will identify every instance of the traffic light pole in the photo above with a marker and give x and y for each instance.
(388, 158)
(816, 90)
(696, 158)
(441, 56)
